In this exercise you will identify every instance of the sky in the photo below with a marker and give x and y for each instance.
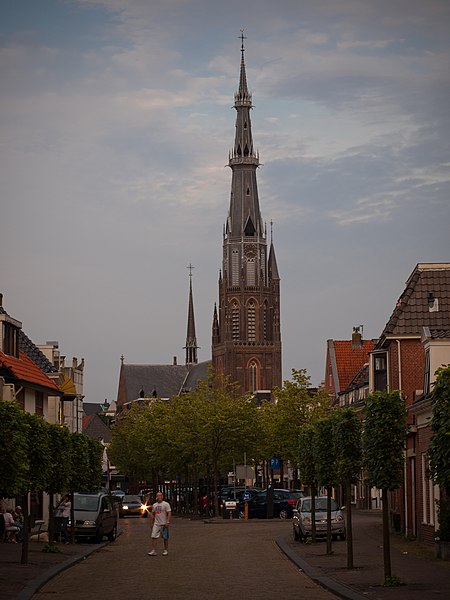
(116, 119)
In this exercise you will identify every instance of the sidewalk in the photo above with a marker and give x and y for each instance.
(424, 576)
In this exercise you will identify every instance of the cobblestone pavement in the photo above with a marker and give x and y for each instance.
(214, 560)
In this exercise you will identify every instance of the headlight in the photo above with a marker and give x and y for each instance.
(125, 507)
(339, 518)
(89, 523)
(306, 520)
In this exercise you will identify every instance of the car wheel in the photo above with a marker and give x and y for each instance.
(113, 534)
(296, 534)
(334, 537)
(241, 514)
(284, 514)
(343, 536)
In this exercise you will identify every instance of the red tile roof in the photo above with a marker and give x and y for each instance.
(349, 360)
(25, 369)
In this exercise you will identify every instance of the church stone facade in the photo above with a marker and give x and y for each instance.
(246, 336)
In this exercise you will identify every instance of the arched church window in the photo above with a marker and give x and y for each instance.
(253, 375)
(235, 267)
(235, 329)
(251, 321)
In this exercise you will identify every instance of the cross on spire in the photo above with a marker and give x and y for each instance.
(243, 37)
(190, 267)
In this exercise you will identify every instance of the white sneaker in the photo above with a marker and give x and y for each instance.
(165, 553)
(152, 553)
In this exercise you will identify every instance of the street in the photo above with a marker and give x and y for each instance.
(220, 560)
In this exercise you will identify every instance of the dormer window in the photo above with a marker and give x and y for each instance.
(10, 339)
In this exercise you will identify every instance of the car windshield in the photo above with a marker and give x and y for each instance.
(131, 499)
(321, 505)
(82, 502)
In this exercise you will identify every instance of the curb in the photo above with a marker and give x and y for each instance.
(329, 584)
(36, 584)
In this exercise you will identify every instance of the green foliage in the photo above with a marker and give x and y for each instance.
(306, 455)
(440, 424)
(393, 581)
(95, 458)
(295, 407)
(39, 453)
(60, 459)
(443, 533)
(14, 465)
(347, 432)
(79, 463)
(51, 549)
(384, 439)
(324, 452)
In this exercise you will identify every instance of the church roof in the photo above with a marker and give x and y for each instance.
(164, 380)
(197, 373)
(95, 428)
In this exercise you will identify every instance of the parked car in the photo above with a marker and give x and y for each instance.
(302, 522)
(283, 504)
(132, 505)
(95, 516)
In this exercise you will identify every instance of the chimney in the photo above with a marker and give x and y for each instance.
(174, 361)
(357, 337)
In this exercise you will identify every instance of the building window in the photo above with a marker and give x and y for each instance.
(253, 376)
(251, 321)
(39, 403)
(265, 321)
(235, 267)
(380, 372)
(235, 329)
(10, 344)
(251, 271)
(426, 381)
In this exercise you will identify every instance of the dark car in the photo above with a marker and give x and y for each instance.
(132, 505)
(95, 516)
(284, 503)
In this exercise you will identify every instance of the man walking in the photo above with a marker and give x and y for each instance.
(161, 513)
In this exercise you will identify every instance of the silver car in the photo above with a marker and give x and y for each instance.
(302, 523)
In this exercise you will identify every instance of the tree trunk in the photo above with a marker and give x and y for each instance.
(26, 530)
(51, 522)
(348, 495)
(386, 537)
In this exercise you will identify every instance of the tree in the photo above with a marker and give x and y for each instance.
(347, 444)
(324, 455)
(59, 476)
(439, 451)
(384, 437)
(14, 464)
(296, 405)
(308, 468)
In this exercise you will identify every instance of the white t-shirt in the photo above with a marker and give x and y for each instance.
(160, 510)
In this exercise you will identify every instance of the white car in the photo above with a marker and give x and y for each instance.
(302, 523)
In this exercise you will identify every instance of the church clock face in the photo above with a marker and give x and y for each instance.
(250, 251)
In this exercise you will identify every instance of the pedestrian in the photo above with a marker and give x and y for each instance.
(64, 511)
(160, 515)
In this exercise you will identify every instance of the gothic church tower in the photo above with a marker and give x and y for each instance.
(246, 337)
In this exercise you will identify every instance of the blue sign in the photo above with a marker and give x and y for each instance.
(274, 462)
(246, 496)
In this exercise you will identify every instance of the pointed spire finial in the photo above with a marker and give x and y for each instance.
(190, 267)
(243, 37)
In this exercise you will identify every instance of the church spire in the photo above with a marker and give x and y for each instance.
(191, 339)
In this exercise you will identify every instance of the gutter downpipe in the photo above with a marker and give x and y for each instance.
(405, 469)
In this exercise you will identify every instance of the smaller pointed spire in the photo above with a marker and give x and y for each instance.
(191, 339)
(215, 326)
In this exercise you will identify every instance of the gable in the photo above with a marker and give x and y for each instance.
(165, 380)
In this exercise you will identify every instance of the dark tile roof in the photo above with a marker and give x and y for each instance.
(440, 333)
(89, 408)
(428, 282)
(197, 373)
(164, 380)
(33, 352)
(95, 428)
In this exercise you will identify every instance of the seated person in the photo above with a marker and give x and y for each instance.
(10, 527)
